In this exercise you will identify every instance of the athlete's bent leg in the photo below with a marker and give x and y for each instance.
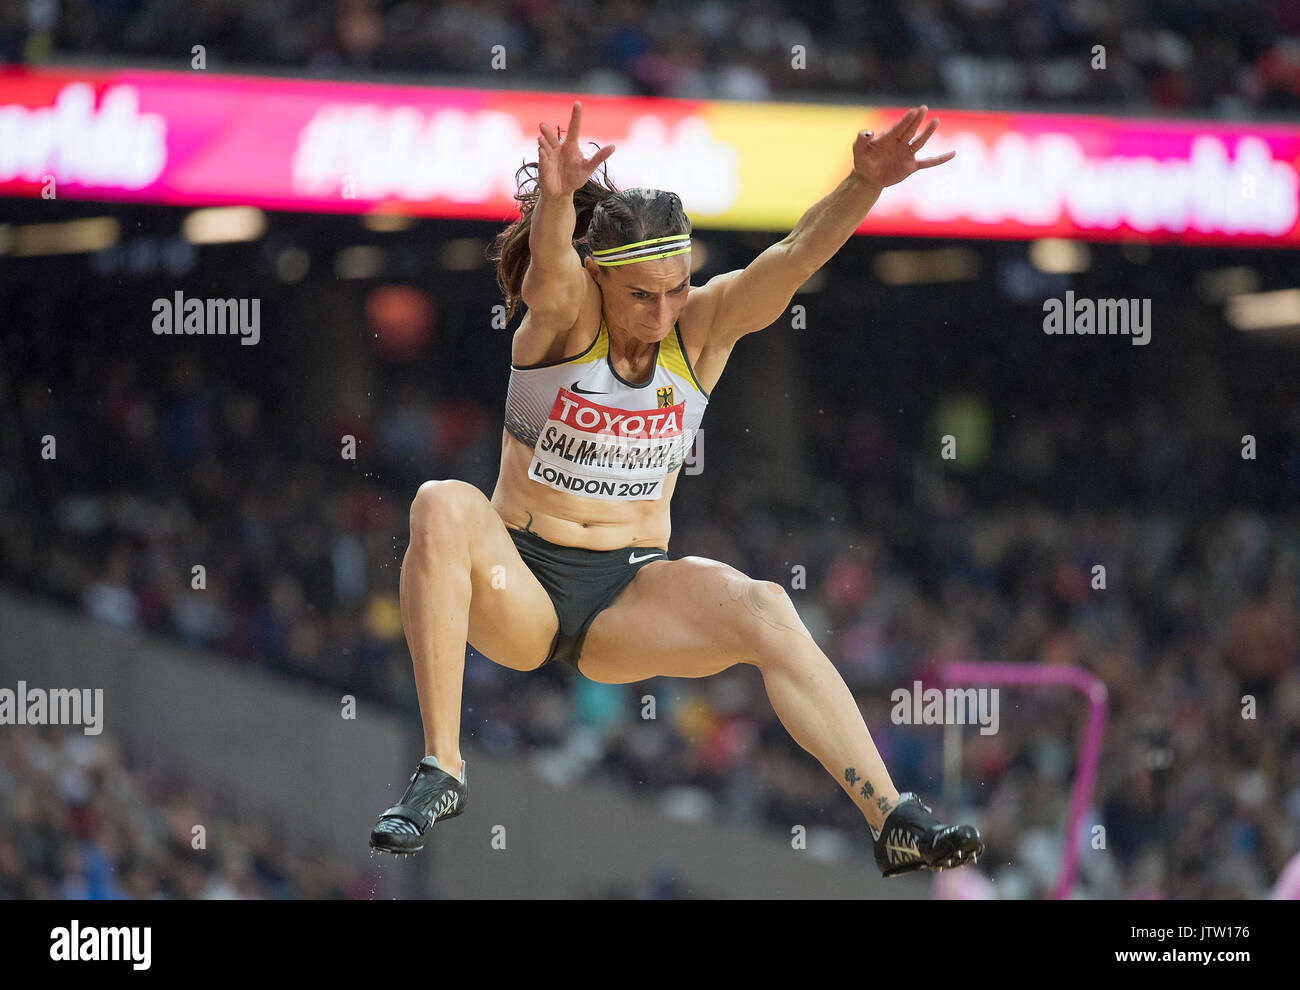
(802, 683)
(720, 617)
(694, 617)
(463, 582)
(814, 704)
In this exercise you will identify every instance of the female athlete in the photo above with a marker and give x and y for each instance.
(611, 371)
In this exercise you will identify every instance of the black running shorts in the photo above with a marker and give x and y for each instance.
(581, 584)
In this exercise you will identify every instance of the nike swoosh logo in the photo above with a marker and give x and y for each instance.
(585, 391)
(632, 558)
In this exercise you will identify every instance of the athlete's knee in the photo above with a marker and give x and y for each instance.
(766, 612)
(443, 509)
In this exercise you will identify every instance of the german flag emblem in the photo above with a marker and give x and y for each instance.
(665, 395)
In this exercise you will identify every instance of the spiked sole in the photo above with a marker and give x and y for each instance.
(969, 851)
(402, 853)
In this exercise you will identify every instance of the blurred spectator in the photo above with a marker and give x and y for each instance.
(1224, 58)
(77, 822)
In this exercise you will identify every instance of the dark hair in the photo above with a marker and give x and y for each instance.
(606, 218)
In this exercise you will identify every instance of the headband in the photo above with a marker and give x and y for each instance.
(658, 247)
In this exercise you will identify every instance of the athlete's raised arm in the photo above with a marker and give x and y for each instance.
(556, 281)
(752, 298)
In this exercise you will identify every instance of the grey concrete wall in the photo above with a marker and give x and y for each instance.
(285, 756)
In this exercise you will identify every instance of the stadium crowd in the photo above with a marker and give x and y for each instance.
(77, 822)
(1202, 55)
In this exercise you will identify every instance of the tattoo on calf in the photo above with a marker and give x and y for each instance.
(851, 777)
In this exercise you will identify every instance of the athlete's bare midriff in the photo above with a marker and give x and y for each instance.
(596, 524)
(568, 520)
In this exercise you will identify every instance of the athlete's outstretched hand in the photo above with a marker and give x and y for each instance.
(889, 158)
(561, 168)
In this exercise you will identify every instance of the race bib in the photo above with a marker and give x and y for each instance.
(603, 452)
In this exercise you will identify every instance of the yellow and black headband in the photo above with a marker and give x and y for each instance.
(658, 247)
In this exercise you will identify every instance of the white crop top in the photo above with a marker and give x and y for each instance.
(595, 434)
